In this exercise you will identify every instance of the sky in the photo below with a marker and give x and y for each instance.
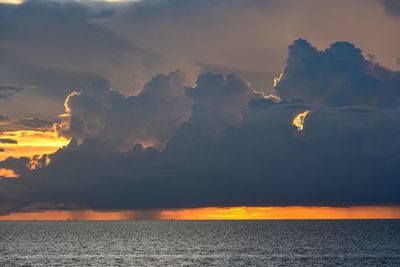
(199, 109)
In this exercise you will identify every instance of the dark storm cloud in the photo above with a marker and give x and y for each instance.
(392, 7)
(344, 157)
(223, 143)
(338, 76)
(227, 144)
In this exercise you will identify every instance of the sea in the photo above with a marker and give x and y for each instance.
(200, 243)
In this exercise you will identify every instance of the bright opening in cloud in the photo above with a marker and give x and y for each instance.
(27, 143)
(298, 121)
(12, 2)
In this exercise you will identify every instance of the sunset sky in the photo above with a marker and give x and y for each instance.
(199, 109)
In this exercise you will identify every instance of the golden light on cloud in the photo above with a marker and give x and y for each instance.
(277, 79)
(227, 213)
(30, 143)
(298, 121)
(6, 173)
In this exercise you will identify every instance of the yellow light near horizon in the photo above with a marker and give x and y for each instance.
(34, 138)
(13, 2)
(30, 143)
(298, 121)
(227, 213)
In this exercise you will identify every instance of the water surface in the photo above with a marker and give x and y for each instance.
(211, 243)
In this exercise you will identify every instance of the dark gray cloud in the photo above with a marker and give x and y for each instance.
(8, 141)
(11, 88)
(55, 47)
(59, 46)
(35, 123)
(223, 143)
(218, 142)
(338, 76)
(392, 7)
(345, 156)
(6, 92)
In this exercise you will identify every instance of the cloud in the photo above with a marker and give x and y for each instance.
(75, 49)
(35, 123)
(7, 91)
(392, 7)
(221, 143)
(11, 88)
(150, 118)
(338, 76)
(4, 118)
(8, 141)
(344, 156)
(55, 47)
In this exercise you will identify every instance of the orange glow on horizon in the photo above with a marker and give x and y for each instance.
(228, 213)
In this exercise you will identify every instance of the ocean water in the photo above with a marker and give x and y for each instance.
(200, 243)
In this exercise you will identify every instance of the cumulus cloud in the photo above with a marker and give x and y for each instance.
(222, 143)
(337, 76)
(119, 122)
(152, 117)
(344, 156)
(55, 47)
(219, 101)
